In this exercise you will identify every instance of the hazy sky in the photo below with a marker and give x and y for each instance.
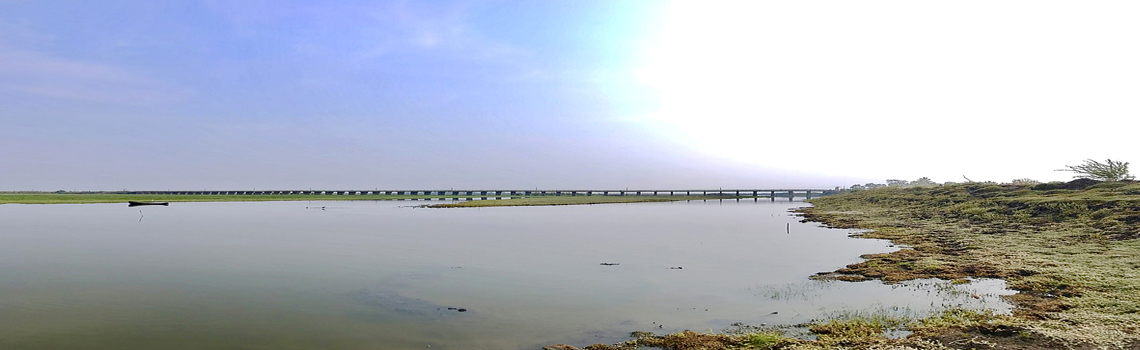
(559, 94)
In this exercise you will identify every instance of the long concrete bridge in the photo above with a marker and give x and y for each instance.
(773, 193)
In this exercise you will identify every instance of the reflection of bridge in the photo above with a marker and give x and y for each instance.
(773, 193)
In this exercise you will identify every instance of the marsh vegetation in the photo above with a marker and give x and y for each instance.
(1070, 249)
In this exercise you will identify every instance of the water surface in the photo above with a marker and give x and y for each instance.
(383, 275)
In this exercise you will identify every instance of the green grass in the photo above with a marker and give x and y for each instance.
(763, 340)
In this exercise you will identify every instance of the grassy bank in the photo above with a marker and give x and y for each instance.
(1073, 254)
(1071, 251)
(573, 200)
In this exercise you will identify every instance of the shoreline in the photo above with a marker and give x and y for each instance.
(1072, 253)
(1054, 246)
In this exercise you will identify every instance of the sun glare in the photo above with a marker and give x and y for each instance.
(892, 86)
(708, 68)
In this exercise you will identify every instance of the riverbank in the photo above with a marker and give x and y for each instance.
(1071, 251)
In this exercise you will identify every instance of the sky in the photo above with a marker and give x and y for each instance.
(640, 94)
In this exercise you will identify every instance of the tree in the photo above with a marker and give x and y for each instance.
(1110, 170)
(1025, 181)
(923, 182)
(896, 183)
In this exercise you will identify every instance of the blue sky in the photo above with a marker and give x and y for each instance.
(556, 94)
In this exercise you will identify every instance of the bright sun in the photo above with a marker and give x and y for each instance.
(713, 77)
(893, 88)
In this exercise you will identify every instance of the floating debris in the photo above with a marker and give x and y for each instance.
(135, 204)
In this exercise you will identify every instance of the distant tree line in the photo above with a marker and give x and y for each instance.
(920, 182)
(1109, 170)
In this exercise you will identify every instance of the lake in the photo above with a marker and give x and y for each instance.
(388, 275)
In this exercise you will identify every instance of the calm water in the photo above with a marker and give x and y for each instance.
(382, 275)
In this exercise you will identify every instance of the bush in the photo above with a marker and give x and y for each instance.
(1110, 170)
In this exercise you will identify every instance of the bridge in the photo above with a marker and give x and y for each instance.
(770, 193)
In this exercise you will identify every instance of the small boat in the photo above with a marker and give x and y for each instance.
(135, 204)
